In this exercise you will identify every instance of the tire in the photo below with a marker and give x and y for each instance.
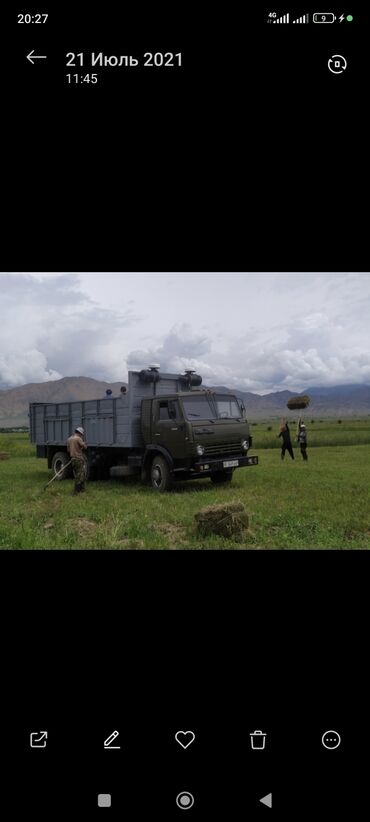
(160, 475)
(60, 459)
(221, 477)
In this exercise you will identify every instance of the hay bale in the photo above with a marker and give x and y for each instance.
(4, 455)
(227, 520)
(298, 403)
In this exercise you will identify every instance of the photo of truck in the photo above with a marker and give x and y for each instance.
(164, 428)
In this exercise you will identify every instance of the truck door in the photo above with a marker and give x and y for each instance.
(169, 427)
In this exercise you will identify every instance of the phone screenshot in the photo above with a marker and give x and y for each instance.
(184, 411)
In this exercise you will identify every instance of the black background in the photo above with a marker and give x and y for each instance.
(225, 776)
(253, 158)
(251, 155)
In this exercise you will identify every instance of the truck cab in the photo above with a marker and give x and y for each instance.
(195, 434)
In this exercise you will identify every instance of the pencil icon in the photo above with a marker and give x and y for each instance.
(110, 739)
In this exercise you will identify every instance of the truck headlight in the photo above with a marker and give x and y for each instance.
(200, 450)
(245, 445)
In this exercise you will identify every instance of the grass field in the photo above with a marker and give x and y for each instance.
(323, 504)
(320, 432)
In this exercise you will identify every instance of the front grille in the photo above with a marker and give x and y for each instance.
(222, 448)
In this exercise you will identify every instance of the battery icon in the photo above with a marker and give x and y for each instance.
(324, 18)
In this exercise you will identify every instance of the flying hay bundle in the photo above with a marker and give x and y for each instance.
(298, 403)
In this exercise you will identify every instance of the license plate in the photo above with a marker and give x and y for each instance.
(231, 463)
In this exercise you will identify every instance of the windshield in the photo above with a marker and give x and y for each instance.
(212, 408)
(228, 407)
(198, 408)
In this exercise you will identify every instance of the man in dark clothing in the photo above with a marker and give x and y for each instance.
(76, 448)
(286, 444)
(302, 439)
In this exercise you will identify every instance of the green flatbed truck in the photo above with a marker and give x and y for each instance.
(164, 428)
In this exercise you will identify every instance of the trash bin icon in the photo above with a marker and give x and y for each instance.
(258, 740)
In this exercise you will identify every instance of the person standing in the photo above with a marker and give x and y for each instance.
(77, 448)
(302, 439)
(286, 444)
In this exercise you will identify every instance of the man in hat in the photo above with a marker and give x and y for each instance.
(76, 448)
(302, 439)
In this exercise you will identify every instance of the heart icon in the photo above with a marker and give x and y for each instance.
(184, 738)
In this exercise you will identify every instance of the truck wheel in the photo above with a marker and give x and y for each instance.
(220, 477)
(59, 460)
(160, 474)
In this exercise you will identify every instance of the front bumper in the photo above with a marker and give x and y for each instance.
(208, 466)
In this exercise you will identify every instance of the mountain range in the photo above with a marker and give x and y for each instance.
(336, 401)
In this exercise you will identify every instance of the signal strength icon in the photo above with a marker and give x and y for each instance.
(283, 19)
(304, 19)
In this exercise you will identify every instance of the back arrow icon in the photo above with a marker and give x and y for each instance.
(32, 56)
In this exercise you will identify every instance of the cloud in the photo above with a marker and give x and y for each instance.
(49, 329)
(59, 289)
(24, 367)
(265, 365)
(182, 347)
(254, 332)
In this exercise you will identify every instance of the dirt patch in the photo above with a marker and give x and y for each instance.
(54, 501)
(4, 455)
(129, 544)
(175, 533)
(83, 527)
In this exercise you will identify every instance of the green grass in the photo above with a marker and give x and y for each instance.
(319, 433)
(322, 504)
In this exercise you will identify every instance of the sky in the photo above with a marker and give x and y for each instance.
(253, 331)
